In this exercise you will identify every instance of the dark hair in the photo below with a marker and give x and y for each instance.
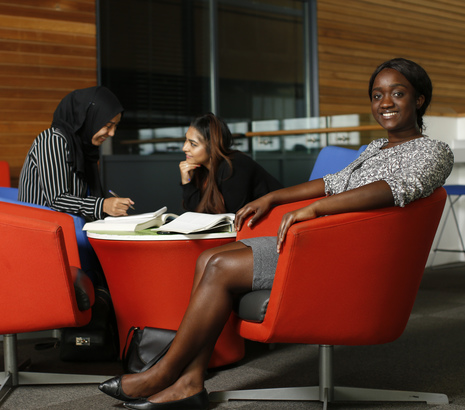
(218, 140)
(415, 75)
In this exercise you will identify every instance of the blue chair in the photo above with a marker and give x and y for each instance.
(332, 159)
(8, 193)
(454, 193)
(89, 261)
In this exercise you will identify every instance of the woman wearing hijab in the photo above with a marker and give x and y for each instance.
(61, 168)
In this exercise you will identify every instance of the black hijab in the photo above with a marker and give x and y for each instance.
(79, 116)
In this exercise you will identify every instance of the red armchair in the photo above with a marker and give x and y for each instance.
(89, 261)
(41, 290)
(348, 279)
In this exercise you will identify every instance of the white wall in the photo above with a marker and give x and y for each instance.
(452, 131)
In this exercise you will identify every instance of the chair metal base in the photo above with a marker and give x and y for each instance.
(13, 377)
(326, 392)
(340, 394)
(36, 378)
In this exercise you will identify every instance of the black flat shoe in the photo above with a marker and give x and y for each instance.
(198, 401)
(112, 387)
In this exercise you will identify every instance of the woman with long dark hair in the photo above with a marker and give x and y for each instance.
(216, 178)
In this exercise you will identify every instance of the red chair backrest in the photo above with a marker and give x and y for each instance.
(37, 291)
(59, 218)
(5, 179)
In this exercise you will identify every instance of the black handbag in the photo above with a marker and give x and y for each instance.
(146, 348)
(96, 341)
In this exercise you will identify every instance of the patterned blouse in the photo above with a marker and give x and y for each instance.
(413, 169)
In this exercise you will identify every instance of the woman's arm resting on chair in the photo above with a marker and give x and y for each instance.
(261, 206)
(371, 196)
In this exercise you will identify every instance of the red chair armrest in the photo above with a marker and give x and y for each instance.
(269, 224)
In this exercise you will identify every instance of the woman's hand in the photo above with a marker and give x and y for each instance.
(187, 171)
(259, 207)
(302, 214)
(117, 206)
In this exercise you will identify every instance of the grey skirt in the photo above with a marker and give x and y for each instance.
(265, 259)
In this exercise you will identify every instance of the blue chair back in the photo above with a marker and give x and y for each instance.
(8, 193)
(332, 159)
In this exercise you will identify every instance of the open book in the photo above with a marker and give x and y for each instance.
(131, 223)
(195, 222)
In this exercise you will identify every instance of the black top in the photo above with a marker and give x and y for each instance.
(248, 181)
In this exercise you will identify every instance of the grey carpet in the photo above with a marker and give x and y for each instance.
(428, 357)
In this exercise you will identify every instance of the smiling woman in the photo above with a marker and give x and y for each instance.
(395, 170)
(61, 168)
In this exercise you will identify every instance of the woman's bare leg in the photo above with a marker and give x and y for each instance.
(221, 275)
(205, 256)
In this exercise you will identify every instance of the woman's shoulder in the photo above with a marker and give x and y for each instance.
(427, 141)
(240, 156)
(428, 149)
(424, 142)
(429, 144)
(242, 166)
(50, 133)
(52, 137)
(242, 159)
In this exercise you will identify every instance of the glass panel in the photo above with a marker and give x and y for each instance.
(155, 56)
(306, 143)
(266, 143)
(238, 130)
(261, 70)
(343, 138)
(303, 142)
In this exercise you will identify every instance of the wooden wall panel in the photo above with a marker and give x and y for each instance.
(47, 49)
(356, 36)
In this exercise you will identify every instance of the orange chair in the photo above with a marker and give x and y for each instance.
(89, 261)
(336, 284)
(5, 180)
(41, 290)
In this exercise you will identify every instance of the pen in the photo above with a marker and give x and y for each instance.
(117, 196)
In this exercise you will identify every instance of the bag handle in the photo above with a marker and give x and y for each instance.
(131, 330)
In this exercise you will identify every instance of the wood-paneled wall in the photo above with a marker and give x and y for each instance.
(47, 49)
(356, 36)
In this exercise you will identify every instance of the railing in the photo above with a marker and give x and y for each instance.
(278, 133)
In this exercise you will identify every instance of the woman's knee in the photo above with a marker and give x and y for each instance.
(206, 255)
(229, 268)
(203, 260)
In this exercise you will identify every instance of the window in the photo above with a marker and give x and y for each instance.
(155, 55)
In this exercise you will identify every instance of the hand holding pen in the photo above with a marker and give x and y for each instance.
(117, 206)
